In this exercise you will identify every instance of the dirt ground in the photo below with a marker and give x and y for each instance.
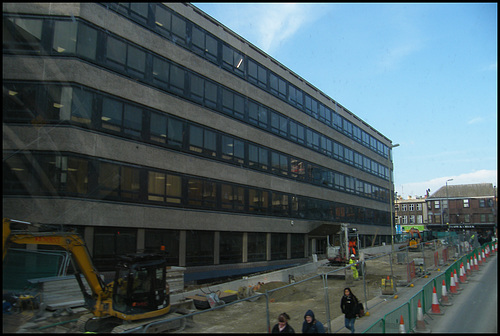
(250, 316)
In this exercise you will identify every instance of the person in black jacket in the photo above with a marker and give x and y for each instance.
(349, 306)
(282, 327)
(311, 325)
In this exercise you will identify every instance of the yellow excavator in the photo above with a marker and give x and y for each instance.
(138, 295)
(414, 239)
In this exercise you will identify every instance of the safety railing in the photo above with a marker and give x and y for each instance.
(322, 292)
(391, 322)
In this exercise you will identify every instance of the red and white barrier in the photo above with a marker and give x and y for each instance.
(435, 304)
(445, 300)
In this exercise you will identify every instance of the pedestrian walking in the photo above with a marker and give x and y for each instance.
(282, 327)
(311, 325)
(349, 305)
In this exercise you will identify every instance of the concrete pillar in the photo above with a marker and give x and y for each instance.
(216, 247)
(245, 247)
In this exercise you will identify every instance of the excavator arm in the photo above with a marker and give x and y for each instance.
(71, 242)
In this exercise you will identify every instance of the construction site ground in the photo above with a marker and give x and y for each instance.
(250, 316)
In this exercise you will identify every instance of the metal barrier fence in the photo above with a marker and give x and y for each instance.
(390, 323)
(322, 292)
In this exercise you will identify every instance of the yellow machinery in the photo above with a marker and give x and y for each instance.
(414, 239)
(139, 292)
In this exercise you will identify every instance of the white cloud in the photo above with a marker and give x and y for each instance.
(419, 188)
(268, 25)
(394, 56)
(475, 120)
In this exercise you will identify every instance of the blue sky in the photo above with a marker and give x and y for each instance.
(424, 75)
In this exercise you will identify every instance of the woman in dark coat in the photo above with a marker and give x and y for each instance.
(282, 327)
(349, 305)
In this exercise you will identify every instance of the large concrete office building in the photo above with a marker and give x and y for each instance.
(148, 125)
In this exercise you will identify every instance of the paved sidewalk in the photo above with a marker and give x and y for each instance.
(382, 305)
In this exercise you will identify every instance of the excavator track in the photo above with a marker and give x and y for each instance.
(158, 325)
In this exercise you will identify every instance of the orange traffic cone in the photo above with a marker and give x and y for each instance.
(463, 277)
(453, 287)
(484, 257)
(467, 269)
(402, 326)
(479, 259)
(445, 300)
(421, 327)
(435, 304)
(476, 266)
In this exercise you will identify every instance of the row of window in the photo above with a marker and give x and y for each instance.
(120, 55)
(49, 174)
(410, 207)
(162, 20)
(435, 218)
(404, 219)
(109, 242)
(465, 203)
(36, 103)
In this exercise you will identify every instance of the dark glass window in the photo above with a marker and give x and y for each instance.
(258, 115)
(164, 241)
(167, 130)
(116, 53)
(177, 79)
(72, 37)
(17, 174)
(118, 181)
(279, 124)
(201, 248)
(204, 44)
(62, 174)
(232, 197)
(296, 96)
(258, 157)
(120, 117)
(280, 204)
(202, 141)
(257, 246)
(279, 163)
(231, 247)
(161, 72)
(258, 201)
(22, 34)
(233, 150)
(297, 168)
(278, 86)
(110, 243)
(278, 246)
(297, 132)
(164, 187)
(233, 60)
(257, 74)
(202, 193)
(233, 104)
(81, 106)
(203, 91)
(297, 243)
(20, 102)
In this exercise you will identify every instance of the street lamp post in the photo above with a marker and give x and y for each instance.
(391, 197)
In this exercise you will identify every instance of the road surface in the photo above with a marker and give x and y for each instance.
(475, 309)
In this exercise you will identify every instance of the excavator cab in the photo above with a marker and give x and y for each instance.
(140, 285)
